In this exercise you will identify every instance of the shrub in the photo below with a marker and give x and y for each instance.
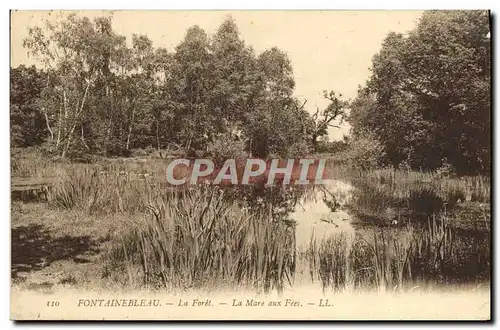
(225, 146)
(365, 152)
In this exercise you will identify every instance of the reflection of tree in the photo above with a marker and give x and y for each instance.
(278, 201)
(330, 200)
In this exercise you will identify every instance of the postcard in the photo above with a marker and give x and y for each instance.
(250, 165)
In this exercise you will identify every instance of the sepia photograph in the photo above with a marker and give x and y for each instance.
(250, 165)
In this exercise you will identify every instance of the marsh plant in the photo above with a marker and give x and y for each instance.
(413, 229)
(398, 260)
(201, 240)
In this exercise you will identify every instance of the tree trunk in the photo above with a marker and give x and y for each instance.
(315, 142)
(130, 128)
(51, 133)
(65, 107)
(78, 112)
(108, 133)
(68, 142)
(59, 128)
(250, 149)
(51, 136)
(188, 146)
(158, 135)
(83, 140)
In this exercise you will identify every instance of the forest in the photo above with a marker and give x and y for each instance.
(425, 106)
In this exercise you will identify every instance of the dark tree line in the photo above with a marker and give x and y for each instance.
(425, 106)
(93, 94)
(427, 102)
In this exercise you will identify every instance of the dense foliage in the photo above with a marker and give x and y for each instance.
(93, 94)
(425, 106)
(26, 121)
(427, 101)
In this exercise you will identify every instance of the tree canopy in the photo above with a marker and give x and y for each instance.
(97, 95)
(428, 99)
(427, 103)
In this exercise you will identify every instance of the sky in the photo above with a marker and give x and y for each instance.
(329, 50)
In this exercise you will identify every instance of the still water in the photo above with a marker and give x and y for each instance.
(316, 217)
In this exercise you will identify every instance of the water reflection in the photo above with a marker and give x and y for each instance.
(322, 213)
(363, 216)
(315, 212)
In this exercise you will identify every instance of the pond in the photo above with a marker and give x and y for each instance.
(322, 213)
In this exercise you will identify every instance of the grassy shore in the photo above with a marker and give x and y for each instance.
(109, 225)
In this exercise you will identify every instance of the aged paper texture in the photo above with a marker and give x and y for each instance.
(250, 165)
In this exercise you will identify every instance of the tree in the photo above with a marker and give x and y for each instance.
(328, 117)
(100, 96)
(233, 73)
(276, 122)
(448, 67)
(189, 89)
(76, 54)
(427, 100)
(27, 124)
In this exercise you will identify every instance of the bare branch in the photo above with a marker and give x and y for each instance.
(315, 115)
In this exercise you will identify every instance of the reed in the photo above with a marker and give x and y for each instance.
(199, 239)
(397, 260)
(202, 236)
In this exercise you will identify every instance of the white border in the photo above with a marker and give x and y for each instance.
(186, 4)
(256, 5)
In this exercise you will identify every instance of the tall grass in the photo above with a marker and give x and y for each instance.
(194, 237)
(330, 262)
(33, 164)
(202, 236)
(400, 259)
(400, 183)
(384, 196)
(203, 241)
(86, 190)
